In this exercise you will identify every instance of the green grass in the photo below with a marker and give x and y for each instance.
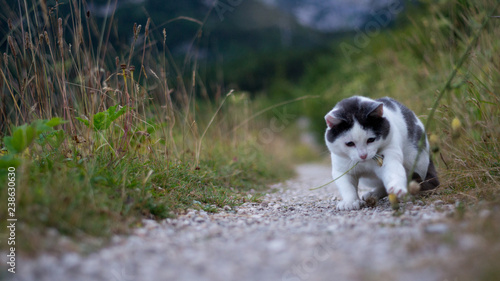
(104, 195)
(99, 144)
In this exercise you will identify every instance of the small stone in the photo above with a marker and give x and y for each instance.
(276, 245)
(71, 259)
(438, 203)
(52, 232)
(149, 224)
(227, 208)
(437, 228)
(116, 239)
(419, 203)
(468, 242)
(140, 232)
(484, 214)
(199, 219)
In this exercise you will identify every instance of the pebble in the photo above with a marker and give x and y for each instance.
(438, 203)
(437, 228)
(484, 214)
(199, 219)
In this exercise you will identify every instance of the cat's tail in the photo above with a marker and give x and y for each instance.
(431, 179)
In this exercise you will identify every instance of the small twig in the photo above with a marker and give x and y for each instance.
(198, 152)
(184, 18)
(271, 107)
(335, 178)
(442, 158)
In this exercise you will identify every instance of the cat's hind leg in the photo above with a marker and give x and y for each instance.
(431, 179)
(378, 190)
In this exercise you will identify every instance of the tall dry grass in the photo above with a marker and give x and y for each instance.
(142, 139)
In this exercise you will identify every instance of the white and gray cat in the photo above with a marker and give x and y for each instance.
(360, 129)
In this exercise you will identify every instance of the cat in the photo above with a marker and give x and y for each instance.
(360, 129)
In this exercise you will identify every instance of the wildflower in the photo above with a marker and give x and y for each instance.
(434, 143)
(414, 187)
(394, 201)
(455, 127)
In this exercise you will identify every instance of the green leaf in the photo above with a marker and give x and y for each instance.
(100, 121)
(55, 121)
(21, 138)
(86, 122)
(54, 139)
(150, 129)
(120, 112)
(40, 127)
(9, 161)
(103, 120)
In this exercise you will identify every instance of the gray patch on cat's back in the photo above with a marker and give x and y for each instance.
(388, 102)
(414, 130)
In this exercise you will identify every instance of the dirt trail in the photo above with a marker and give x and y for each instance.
(294, 234)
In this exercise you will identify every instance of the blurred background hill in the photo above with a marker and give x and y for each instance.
(243, 44)
(249, 42)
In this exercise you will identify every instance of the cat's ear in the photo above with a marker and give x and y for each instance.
(332, 121)
(377, 110)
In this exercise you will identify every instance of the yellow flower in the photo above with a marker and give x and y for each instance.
(414, 187)
(394, 201)
(434, 142)
(455, 124)
(455, 127)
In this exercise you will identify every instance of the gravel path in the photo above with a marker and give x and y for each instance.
(294, 234)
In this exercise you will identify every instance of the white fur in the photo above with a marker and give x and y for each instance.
(399, 156)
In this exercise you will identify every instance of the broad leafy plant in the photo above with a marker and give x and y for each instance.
(102, 120)
(24, 136)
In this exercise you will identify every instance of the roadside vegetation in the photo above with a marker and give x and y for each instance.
(101, 139)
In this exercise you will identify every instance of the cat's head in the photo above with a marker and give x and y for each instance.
(356, 128)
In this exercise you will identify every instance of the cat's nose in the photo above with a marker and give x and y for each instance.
(363, 156)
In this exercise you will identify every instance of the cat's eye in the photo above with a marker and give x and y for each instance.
(370, 140)
(350, 144)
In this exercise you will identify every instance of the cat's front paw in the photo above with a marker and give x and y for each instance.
(350, 205)
(399, 191)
